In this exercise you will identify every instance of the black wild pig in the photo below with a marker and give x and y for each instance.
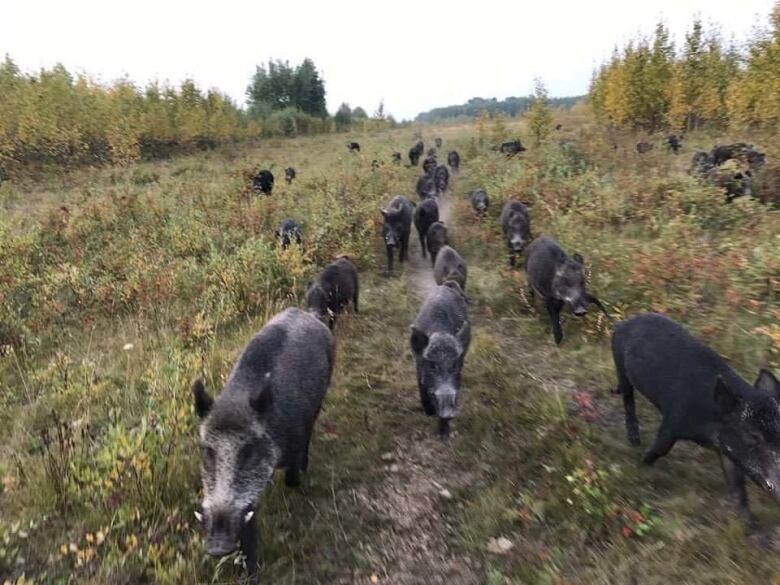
(353, 147)
(396, 158)
(480, 201)
(415, 152)
(674, 142)
(558, 126)
(289, 174)
(560, 281)
(333, 289)
(453, 159)
(643, 147)
(516, 227)
(396, 228)
(702, 399)
(426, 187)
(512, 147)
(425, 215)
(432, 152)
(438, 142)
(440, 338)
(435, 239)
(289, 231)
(429, 165)
(722, 153)
(441, 177)
(450, 265)
(261, 421)
(263, 182)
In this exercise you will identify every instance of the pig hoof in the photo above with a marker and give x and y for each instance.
(648, 459)
(634, 441)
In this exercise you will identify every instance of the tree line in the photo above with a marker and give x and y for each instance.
(650, 85)
(511, 106)
(55, 118)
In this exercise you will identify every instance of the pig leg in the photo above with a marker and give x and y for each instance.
(248, 540)
(554, 307)
(404, 247)
(735, 478)
(422, 242)
(425, 398)
(512, 259)
(625, 388)
(664, 441)
(355, 299)
(389, 259)
(292, 475)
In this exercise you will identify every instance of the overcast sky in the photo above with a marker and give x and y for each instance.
(413, 54)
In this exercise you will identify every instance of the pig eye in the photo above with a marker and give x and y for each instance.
(246, 455)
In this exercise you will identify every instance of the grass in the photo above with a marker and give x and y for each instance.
(97, 441)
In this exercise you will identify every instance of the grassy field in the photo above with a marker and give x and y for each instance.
(118, 286)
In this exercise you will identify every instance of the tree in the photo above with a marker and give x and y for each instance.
(540, 116)
(343, 117)
(359, 114)
(277, 85)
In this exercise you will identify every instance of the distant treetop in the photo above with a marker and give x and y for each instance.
(510, 106)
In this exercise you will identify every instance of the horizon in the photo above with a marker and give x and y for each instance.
(399, 73)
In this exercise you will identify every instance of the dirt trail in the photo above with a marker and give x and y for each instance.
(419, 270)
(423, 476)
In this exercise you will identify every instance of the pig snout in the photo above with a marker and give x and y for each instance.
(223, 528)
(446, 402)
(517, 243)
(579, 311)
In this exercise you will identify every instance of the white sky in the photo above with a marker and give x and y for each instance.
(414, 54)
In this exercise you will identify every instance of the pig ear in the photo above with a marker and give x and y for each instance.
(767, 382)
(383, 211)
(262, 398)
(203, 402)
(419, 340)
(725, 397)
(578, 258)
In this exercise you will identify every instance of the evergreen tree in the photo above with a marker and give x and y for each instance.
(540, 117)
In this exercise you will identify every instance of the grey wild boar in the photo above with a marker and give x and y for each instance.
(701, 399)
(426, 187)
(289, 231)
(450, 265)
(516, 227)
(425, 215)
(261, 421)
(440, 338)
(441, 177)
(333, 289)
(480, 202)
(397, 228)
(429, 164)
(453, 159)
(435, 239)
(560, 281)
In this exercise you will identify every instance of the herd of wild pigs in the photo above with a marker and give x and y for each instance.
(262, 419)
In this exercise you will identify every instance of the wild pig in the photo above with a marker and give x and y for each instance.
(701, 399)
(415, 152)
(263, 182)
(397, 228)
(440, 338)
(453, 159)
(353, 147)
(426, 187)
(333, 289)
(516, 227)
(261, 421)
(559, 280)
(429, 165)
(396, 158)
(438, 142)
(435, 239)
(289, 174)
(425, 215)
(441, 177)
(450, 265)
(480, 202)
(289, 231)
